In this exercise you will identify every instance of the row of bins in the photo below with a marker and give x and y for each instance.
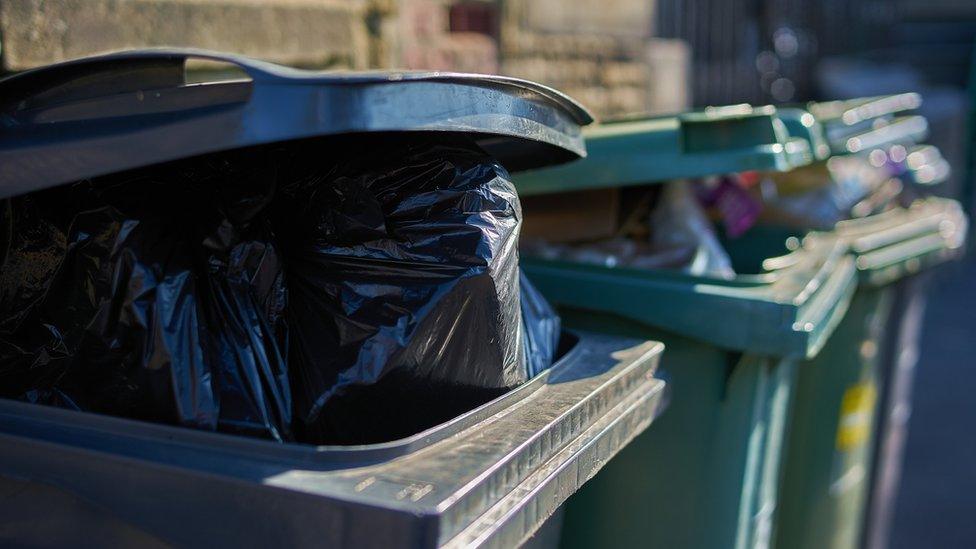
(790, 375)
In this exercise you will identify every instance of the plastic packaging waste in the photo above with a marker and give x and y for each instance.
(679, 236)
(541, 328)
(679, 223)
(819, 196)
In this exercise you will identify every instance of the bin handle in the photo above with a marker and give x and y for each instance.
(120, 72)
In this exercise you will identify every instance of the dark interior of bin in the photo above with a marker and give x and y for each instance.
(746, 251)
(398, 406)
(760, 242)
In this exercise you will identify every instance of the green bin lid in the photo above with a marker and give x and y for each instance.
(714, 141)
(862, 125)
(803, 125)
(851, 112)
(903, 130)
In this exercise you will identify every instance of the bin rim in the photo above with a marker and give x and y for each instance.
(789, 310)
(904, 241)
(802, 125)
(925, 166)
(328, 456)
(491, 481)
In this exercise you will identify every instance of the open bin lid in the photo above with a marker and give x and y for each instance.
(109, 113)
(902, 130)
(861, 125)
(851, 112)
(715, 141)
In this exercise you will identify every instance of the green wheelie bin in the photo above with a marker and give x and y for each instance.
(706, 473)
(848, 397)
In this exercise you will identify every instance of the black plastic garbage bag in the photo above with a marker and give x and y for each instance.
(402, 267)
(541, 327)
(155, 296)
(347, 291)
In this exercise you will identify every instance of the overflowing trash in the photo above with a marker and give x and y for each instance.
(317, 292)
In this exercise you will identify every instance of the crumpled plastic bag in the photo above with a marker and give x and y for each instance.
(679, 224)
(156, 296)
(404, 286)
(541, 328)
(350, 293)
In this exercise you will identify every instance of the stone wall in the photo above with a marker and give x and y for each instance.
(598, 51)
(319, 33)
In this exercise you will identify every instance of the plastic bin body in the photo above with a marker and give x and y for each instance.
(706, 473)
(828, 461)
(707, 456)
(906, 275)
(899, 355)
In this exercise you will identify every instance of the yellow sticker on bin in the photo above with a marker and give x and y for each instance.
(856, 415)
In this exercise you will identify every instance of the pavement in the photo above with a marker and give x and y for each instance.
(936, 505)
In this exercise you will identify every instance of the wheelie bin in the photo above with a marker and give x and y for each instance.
(706, 473)
(849, 396)
(489, 477)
